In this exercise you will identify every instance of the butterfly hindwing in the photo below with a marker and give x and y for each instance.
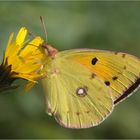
(74, 96)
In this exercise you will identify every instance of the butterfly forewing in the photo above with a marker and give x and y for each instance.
(119, 71)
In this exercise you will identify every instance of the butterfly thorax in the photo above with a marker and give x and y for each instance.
(50, 50)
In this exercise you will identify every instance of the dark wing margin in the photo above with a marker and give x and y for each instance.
(129, 91)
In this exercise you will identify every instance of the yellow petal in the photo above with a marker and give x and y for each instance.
(28, 86)
(13, 47)
(10, 39)
(9, 48)
(32, 47)
(28, 68)
(28, 77)
(21, 36)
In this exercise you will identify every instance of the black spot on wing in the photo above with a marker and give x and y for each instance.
(114, 78)
(115, 53)
(88, 112)
(93, 75)
(123, 55)
(124, 67)
(107, 83)
(94, 61)
(77, 113)
(128, 91)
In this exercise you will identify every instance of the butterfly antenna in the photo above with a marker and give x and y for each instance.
(44, 28)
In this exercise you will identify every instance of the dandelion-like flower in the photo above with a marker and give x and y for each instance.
(23, 59)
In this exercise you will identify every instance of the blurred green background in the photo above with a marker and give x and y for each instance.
(101, 25)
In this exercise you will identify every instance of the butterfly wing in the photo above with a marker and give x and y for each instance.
(119, 71)
(74, 96)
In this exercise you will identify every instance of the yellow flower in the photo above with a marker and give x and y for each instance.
(23, 59)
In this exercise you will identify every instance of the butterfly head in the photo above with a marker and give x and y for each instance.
(50, 50)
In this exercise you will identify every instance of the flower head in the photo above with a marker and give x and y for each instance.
(23, 59)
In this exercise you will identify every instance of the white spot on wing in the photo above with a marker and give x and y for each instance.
(82, 91)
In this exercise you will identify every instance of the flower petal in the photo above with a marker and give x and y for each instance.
(32, 47)
(28, 86)
(21, 36)
(9, 48)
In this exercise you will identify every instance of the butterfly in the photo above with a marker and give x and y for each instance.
(82, 86)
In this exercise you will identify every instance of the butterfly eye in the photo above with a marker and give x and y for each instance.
(82, 91)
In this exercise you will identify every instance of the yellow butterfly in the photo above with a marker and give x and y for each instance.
(82, 86)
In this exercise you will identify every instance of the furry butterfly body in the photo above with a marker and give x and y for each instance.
(83, 85)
